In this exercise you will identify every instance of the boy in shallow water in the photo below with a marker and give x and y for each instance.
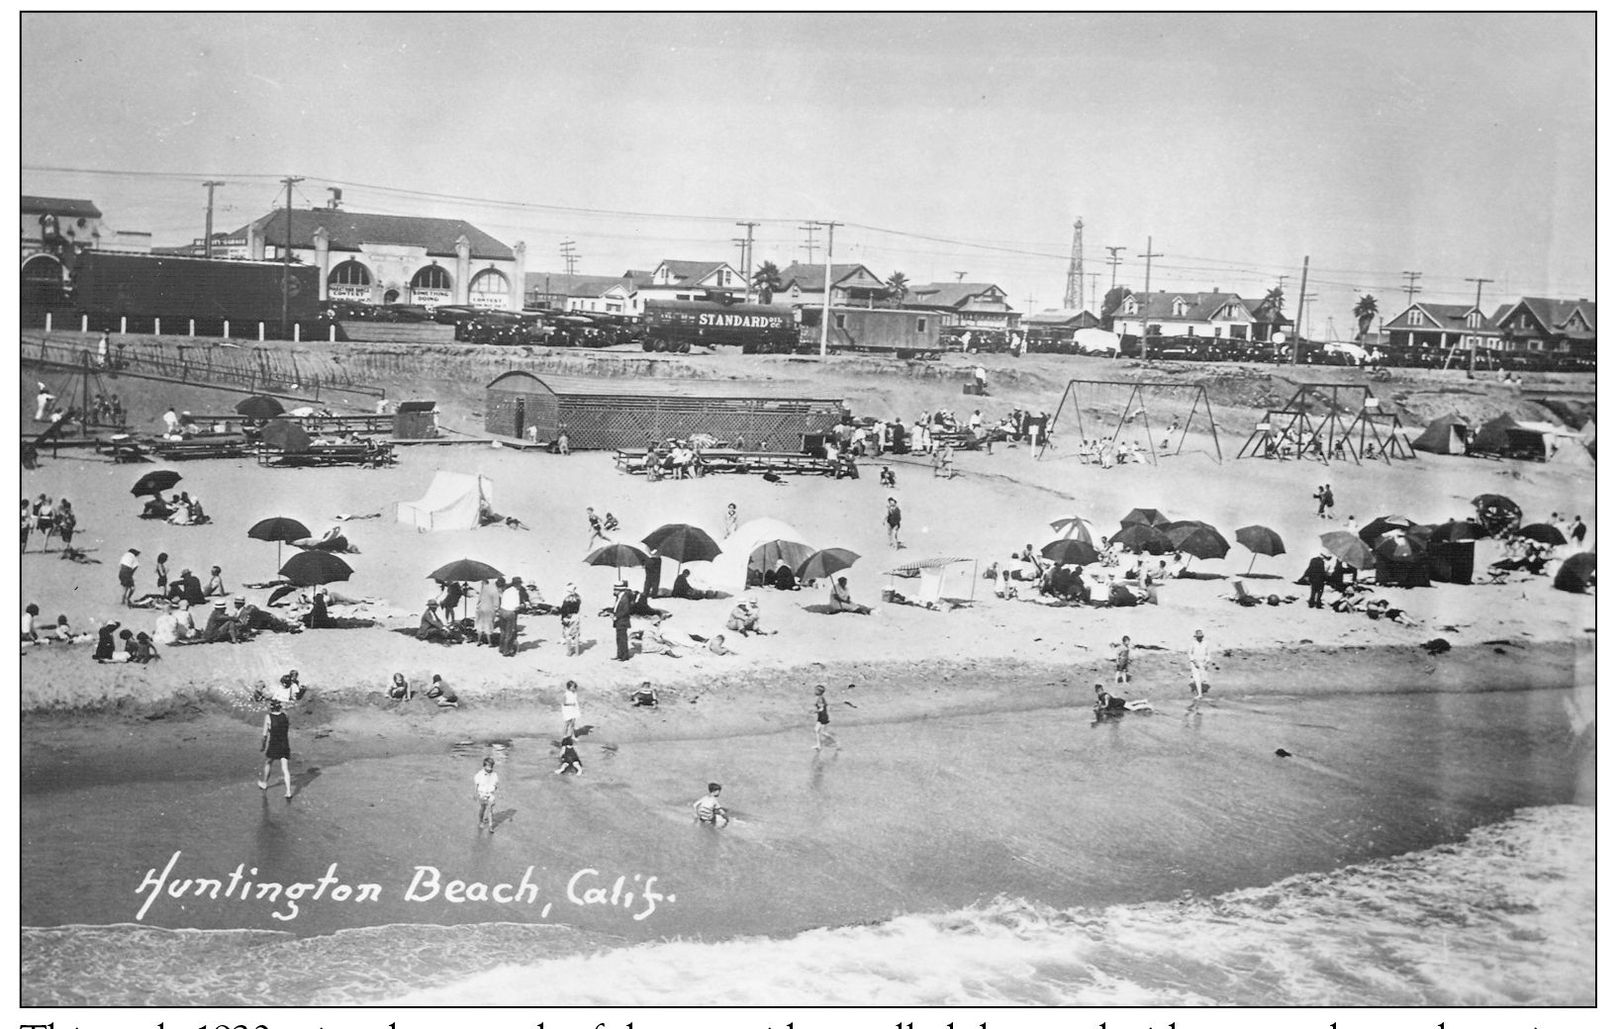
(484, 785)
(708, 808)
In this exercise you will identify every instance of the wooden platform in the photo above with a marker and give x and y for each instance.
(717, 461)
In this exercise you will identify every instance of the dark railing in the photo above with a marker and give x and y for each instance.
(250, 369)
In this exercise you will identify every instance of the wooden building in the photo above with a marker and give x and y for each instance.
(416, 419)
(601, 414)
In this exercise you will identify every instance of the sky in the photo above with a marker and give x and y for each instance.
(945, 145)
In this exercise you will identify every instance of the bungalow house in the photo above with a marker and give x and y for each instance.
(972, 305)
(1214, 315)
(599, 294)
(1440, 328)
(853, 285)
(1542, 324)
(1060, 322)
(688, 280)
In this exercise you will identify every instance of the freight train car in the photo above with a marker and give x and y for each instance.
(678, 325)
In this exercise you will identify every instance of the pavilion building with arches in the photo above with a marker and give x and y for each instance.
(394, 259)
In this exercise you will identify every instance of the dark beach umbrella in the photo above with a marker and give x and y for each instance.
(1139, 536)
(1372, 530)
(314, 568)
(1456, 532)
(280, 530)
(681, 543)
(617, 555)
(1198, 539)
(1578, 573)
(465, 570)
(772, 552)
(1540, 532)
(824, 563)
(1400, 547)
(1070, 552)
(1348, 548)
(1260, 540)
(155, 482)
(288, 436)
(260, 407)
(1496, 500)
(1498, 514)
(1146, 516)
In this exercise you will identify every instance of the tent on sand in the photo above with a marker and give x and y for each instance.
(455, 500)
(1446, 434)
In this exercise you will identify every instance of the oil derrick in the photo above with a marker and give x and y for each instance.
(1073, 297)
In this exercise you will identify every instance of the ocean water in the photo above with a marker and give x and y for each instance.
(1414, 849)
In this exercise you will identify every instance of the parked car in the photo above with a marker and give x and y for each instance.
(404, 313)
(452, 314)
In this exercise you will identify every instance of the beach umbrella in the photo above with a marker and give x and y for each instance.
(1070, 552)
(1499, 515)
(1496, 500)
(1199, 539)
(314, 568)
(1578, 573)
(1399, 546)
(1139, 536)
(288, 436)
(1260, 540)
(1540, 532)
(1384, 523)
(823, 563)
(465, 570)
(155, 482)
(771, 552)
(1348, 548)
(1074, 527)
(681, 543)
(280, 530)
(617, 555)
(260, 407)
(1456, 532)
(1146, 516)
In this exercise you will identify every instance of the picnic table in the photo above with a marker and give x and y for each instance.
(723, 459)
(219, 445)
(323, 455)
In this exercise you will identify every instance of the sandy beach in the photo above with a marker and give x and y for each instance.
(936, 710)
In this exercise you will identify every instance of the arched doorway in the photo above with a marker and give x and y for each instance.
(432, 286)
(390, 296)
(42, 281)
(489, 290)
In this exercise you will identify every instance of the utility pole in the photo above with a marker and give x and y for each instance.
(1304, 284)
(810, 229)
(1093, 276)
(1113, 261)
(1478, 298)
(1411, 287)
(569, 257)
(208, 226)
(747, 261)
(286, 256)
(1147, 291)
(1074, 295)
(960, 276)
(826, 299)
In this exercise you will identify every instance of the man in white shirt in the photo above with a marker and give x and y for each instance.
(511, 598)
(126, 573)
(1198, 655)
(171, 423)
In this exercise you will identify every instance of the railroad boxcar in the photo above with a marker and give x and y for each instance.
(678, 325)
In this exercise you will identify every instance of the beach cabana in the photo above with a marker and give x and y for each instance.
(729, 571)
(936, 581)
(1446, 434)
(455, 500)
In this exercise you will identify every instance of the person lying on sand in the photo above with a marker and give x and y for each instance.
(1107, 703)
(568, 760)
(1381, 608)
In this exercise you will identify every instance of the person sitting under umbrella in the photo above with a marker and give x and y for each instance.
(782, 578)
(156, 508)
(684, 590)
(842, 601)
(432, 627)
(250, 618)
(318, 616)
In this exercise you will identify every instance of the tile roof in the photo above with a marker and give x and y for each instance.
(59, 206)
(946, 294)
(563, 284)
(349, 230)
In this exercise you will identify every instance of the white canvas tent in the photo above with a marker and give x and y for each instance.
(729, 571)
(933, 581)
(455, 500)
(1096, 341)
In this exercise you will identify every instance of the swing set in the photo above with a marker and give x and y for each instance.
(1353, 427)
(1107, 451)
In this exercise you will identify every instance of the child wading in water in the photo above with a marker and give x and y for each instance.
(484, 785)
(275, 746)
(822, 720)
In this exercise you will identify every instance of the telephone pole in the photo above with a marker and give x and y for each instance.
(960, 276)
(208, 225)
(747, 261)
(1478, 298)
(810, 229)
(286, 255)
(1147, 290)
(1113, 261)
(1304, 284)
(1411, 287)
(826, 298)
(1093, 276)
(569, 257)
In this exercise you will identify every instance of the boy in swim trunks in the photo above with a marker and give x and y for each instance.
(484, 785)
(708, 808)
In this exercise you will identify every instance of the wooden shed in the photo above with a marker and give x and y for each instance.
(416, 419)
(601, 414)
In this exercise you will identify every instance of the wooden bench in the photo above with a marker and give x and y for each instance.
(197, 448)
(329, 455)
(722, 460)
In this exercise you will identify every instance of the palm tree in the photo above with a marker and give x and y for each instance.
(898, 285)
(767, 280)
(1365, 311)
(1274, 300)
